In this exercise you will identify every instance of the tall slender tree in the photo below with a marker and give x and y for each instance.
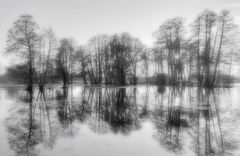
(22, 39)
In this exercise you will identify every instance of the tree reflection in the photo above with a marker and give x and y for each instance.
(32, 123)
(83, 110)
(181, 116)
(201, 121)
(24, 132)
(104, 109)
(170, 120)
(64, 109)
(120, 112)
(108, 110)
(145, 110)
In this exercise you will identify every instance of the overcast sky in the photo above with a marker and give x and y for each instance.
(81, 19)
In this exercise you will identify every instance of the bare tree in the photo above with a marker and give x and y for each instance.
(170, 36)
(211, 33)
(22, 40)
(46, 54)
(64, 60)
(84, 60)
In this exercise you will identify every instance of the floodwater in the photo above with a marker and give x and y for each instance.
(120, 121)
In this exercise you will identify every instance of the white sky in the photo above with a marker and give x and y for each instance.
(81, 19)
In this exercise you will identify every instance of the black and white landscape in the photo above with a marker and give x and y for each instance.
(119, 78)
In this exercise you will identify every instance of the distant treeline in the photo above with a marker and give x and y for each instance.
(203, 55)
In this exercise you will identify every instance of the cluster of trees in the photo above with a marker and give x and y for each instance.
(205, 55)
(110, 59)
(202, 56)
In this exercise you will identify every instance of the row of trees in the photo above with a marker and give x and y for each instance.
(202, 56)
(205, 55)
(105, 59)
(110, 59)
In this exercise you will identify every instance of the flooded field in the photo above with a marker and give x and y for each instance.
(140, 120)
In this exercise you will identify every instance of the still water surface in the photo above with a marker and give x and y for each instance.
(140, 120)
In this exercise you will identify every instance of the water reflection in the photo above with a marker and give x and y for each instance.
(183, 119)
(24, 133)
(202, 123)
